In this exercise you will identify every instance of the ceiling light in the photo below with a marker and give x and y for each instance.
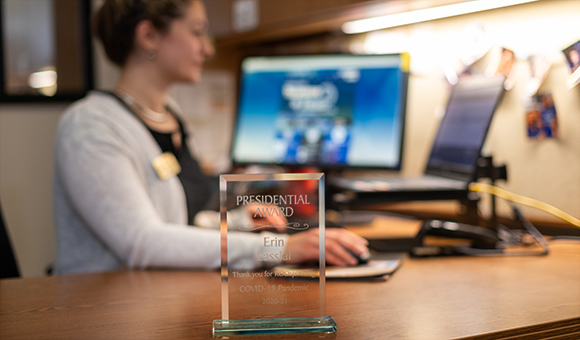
(427, 14)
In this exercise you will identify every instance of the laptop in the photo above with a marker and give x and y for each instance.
(453, 158)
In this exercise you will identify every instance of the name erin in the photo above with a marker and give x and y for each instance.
(274, 242)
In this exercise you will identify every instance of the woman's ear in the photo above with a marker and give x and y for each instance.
(146, 37)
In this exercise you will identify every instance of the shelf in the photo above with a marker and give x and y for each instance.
(322, 21)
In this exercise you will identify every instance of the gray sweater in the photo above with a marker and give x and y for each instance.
(111, 208)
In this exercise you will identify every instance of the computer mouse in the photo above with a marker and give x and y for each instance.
(362, 258)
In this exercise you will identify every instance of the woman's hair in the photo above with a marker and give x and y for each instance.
(114, 23)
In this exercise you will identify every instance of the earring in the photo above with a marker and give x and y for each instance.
(151, 54)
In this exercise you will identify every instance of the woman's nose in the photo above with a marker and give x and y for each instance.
(208, 49)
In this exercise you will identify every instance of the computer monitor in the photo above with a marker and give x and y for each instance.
(328, 111)
(464, 127)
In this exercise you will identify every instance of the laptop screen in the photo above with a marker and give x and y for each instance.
(463, 129)
(322, 110)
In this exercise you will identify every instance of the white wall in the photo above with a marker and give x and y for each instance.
(26, 168)
(546, 170)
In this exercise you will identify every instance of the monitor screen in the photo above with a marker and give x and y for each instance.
(322, 110)
(464, 127)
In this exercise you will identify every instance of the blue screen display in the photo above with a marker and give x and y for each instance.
(323, 110)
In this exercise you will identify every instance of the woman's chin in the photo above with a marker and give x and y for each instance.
(192, 77)
(195, 78)
(189, 80)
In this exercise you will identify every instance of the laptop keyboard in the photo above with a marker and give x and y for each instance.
(388, 183)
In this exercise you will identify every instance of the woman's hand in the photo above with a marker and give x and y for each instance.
(304, 247)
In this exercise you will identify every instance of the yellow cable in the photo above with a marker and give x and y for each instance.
(491, 189)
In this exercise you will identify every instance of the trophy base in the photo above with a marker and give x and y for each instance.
(323, 324)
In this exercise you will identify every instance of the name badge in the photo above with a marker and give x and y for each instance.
(166, 165)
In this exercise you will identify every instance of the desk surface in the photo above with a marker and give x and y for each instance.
(433, 298)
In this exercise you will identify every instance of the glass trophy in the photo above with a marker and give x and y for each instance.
(272, 299)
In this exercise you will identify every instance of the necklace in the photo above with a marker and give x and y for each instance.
(158, 117)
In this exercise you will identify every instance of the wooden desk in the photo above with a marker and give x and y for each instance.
(436, 298)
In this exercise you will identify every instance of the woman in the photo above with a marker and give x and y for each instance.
(115, 206)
